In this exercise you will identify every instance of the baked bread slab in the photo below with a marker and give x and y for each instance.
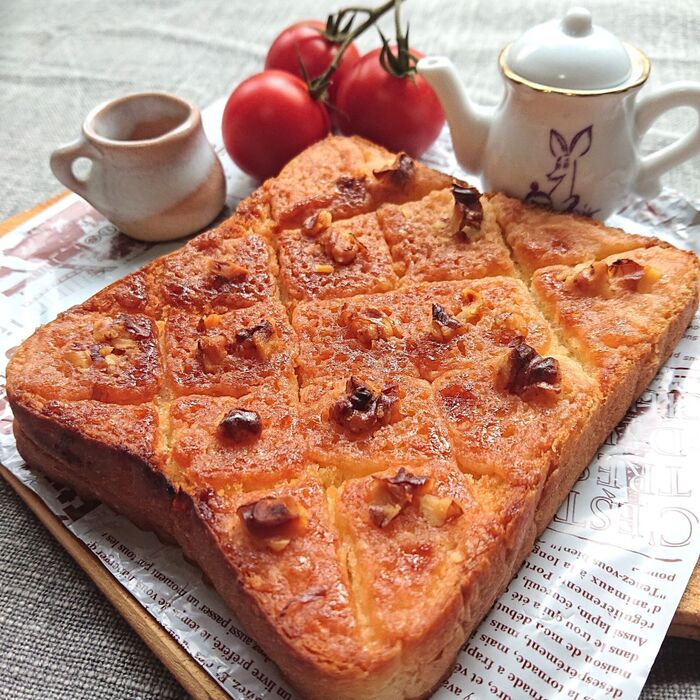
(356, 402)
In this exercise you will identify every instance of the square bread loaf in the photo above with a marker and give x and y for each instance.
(356, 402)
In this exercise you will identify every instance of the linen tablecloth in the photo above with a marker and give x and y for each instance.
(59, 638)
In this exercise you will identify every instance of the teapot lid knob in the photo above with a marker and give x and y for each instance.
(570, 53)
(578, 21)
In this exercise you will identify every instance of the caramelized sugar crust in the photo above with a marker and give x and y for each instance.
(230, 353)
(345, 177)
(90, 355)
(613, 313)
(136, 293)
(385, 335)
(341, 259)
(214, 274)
(206, 455)
(540, 238)
(135, 429)
(515, 437)
(302, 586)
(428, 243)
(418, 558)
(359, 471)
(416, 434)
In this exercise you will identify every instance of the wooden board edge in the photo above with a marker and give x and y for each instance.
(690, 631)
(8, 224)
(686, 621)
(191, 676)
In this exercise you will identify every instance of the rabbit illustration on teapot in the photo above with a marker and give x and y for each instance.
(561, 195)
(566, 81)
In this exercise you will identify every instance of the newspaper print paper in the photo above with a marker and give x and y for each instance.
(587, 612)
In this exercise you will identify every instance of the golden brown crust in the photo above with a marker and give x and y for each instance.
(627, 387)
(614, 327)
(540, 238)
(128, 483)
(205, 456)
(416, 435)
(327, 517)
(342, 259)
(343, 176)
(228, 354)
(87, 355)
(384, 335)
(519, 438)
(429, 243)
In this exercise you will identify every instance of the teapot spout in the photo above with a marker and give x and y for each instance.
(469, 123)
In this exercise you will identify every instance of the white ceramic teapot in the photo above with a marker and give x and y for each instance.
(567, 131)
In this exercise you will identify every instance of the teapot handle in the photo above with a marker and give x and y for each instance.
(650, 108)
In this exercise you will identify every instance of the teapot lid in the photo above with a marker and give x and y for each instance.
(570, 53)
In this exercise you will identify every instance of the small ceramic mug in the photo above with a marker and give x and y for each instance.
(153, 172)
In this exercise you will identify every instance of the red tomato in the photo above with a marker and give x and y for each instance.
(399, 113)
(301, 43)
(268, 119)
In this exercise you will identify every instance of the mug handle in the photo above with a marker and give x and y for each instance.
(61, 164)
(680, 94)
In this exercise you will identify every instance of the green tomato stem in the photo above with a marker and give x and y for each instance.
(319, 86)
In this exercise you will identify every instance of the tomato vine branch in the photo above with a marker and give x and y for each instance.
(319, 86)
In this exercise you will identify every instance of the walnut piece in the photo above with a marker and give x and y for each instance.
(438, 511)
(317, 223)
(468, 212)
(115, 338)
(341, 246)
(595, 279)
(225, 273)
(125, 345)
(626, 270)
(241, 426)
(212, 350)
(382, 514)
(278, 544)
(399, 173)
(589, 280)
(472, 306)
(444, 327)
(258, 341)
(524, 369)
(80, 359)
(649, 278)
(207, 323)
(274, 519)
(369, 325)
(106, 329)
(391, 495)
(362, 410)
(404, 486)
(135, 327)
(633, 276)
(516, 323)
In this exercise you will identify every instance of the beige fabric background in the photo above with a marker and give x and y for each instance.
(58, 58)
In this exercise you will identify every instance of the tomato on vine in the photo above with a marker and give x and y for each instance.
(274, 115)
(306, 49)
(386, 101)
(270, 118)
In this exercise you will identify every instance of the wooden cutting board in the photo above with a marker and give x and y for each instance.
(196, 681)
